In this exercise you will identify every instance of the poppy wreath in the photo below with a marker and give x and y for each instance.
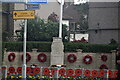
(28, 70)
(71, 58)
(46, 71)
(78, 72)
(103, 66)
(28, 57)
(87, 73)
(42, 57)
(11, 70)
(94, 73)
(70, 72)
(62, 71)
(104, 58)
(19, 70)
(36, 70)
(11, 57)
(87, 59)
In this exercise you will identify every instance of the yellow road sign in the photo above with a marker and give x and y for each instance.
(27, 14)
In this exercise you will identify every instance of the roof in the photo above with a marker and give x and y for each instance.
(70, 12)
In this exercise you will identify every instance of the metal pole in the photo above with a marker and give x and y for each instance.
(60, 22)
(24, 46)
(107, 75)
(24, 54)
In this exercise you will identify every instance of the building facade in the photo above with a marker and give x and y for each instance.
(7, 21)
(103, 21)
(74, 16)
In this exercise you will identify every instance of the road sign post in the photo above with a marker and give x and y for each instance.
(24, 14)
(24, 56)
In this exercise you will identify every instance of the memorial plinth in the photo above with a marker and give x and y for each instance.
(57, 54)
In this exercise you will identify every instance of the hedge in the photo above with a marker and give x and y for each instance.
(68, 47)
(86, 47)
(18, 46)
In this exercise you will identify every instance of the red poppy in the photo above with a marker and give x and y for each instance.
(11, 57)
(91, 77)
(28, 70)
(11, 70)
(8, 74)
(19, 70)
(32, 74)
(71, 58)
(62, 71)
(42, 57)
(36, 70)
(87, 59)
(28, 57)
(104, 58)
(15, 72)
(103, 66)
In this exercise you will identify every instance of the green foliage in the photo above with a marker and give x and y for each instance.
(18, 46)
(39, 30)
(83, 10)
(68, 47)
(19, 77)
(86, 47)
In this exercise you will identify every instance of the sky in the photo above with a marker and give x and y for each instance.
(80, 1)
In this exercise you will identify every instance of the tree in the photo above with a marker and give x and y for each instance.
(83, 10)
(39, 30)
(53, 17)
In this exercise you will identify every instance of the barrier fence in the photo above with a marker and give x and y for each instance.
(61, 73)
